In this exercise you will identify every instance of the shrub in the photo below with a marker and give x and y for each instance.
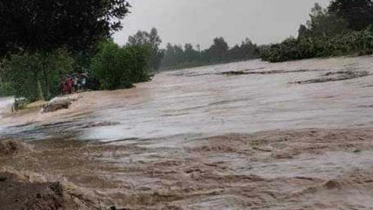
(115, 67)
(136, 64)
(326, 34)
(5, 89)
(36, 76)
(352, 42)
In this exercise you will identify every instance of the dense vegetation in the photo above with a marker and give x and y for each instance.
(343, 28)
(42, 41)
(36, 75)
(151, 43)
(49, 24)
(117, 67)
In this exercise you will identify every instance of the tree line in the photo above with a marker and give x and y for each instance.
(177, 56)
(343, 28)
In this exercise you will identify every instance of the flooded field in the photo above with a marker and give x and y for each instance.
(249, 135)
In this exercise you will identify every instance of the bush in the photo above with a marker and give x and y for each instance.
(136, 64)
(36, 76)
(352, 42)
(5, 89)
(115, 67)
(326, 34)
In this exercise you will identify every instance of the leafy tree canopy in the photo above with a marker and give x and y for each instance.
(117, 67)
(50, 24)
(152, 42)
(358, 13)
(219, 49)
(322, 23)
(145, 38)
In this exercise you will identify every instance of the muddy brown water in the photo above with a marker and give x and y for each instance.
(202, 101)
(185, 103)
(248, 135)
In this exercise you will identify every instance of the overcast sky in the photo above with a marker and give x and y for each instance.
(199, 21)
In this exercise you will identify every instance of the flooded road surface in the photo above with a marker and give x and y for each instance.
(249, 135)
(205, 101)
(200, 101)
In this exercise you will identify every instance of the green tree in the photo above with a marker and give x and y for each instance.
(109, 66)
(33, 33)
(324, 23)
(302, 31)
(152, 42)
(36, 76)
(115, 67)
(247, 50)
(136, 65)
(218, 51)
(358, 13)
(46, 25)
(191, 54)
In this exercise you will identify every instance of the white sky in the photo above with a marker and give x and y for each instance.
(199, 21)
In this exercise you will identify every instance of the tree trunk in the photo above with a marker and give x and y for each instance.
(45, 74)
(41, 96)
(46, 82)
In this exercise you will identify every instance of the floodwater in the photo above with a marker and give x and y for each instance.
(198, 101)
(248, 135)
(202, 101)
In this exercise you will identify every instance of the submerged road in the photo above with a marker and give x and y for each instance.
(244, 97)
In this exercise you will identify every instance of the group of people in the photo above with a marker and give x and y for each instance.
(73, 83)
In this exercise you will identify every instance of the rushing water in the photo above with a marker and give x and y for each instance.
(202, 101)
(295, 169)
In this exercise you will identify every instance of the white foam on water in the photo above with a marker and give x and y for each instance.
(5, 106)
